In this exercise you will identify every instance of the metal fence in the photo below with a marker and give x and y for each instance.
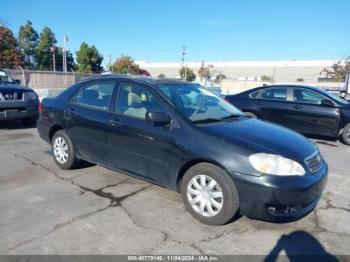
(47, 79)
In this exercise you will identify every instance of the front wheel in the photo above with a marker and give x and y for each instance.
(209, 194)
(345, 135)
(63, 150)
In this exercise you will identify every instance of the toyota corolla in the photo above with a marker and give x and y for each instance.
(183, 137)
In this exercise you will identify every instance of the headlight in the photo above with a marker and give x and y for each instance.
(276, 165)
(32, 96)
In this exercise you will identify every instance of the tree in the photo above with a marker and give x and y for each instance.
(125, 65)
(219, 77)
(187, 73)
(43, 54)
(28, 41)
(205, 72)
(89, 60)
(10, 55)
(337, 71)
(161, 76)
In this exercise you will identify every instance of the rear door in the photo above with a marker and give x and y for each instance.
(309, 116)
(87, 119)
(272, 104)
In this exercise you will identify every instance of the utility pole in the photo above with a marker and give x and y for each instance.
(52, 49)
(110, 63)
(182, 61)
(65, 40)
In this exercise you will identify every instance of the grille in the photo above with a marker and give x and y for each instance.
(314, 162)
(11, 96)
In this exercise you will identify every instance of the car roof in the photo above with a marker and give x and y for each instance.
(142, 79)
(317, 89)
(291, 86)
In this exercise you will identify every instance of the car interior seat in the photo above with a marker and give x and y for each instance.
(90, 97)
(135, 107)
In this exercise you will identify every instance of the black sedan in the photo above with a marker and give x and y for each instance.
(308, 110)
(183, 137)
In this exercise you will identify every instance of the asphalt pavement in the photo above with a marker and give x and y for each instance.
(94, 210)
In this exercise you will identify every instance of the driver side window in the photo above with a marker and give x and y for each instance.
(135, 101)
(306, 96)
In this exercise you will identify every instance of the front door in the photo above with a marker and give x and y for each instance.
(310, 116)
(137, 146)
(88, 118)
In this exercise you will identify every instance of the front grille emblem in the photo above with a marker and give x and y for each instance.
(9, 96)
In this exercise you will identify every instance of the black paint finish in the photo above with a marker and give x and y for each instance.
(307, 118)
(162, 152)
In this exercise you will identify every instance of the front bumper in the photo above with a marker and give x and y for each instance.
(11, 110)
(280, 199)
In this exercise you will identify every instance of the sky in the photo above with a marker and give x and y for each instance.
(156, 30)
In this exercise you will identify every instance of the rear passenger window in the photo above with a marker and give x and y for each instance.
(274, 94)
(97, 95)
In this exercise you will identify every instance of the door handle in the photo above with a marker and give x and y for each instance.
(297, 107)
(114, 122)
(71, 112)
(258, 102)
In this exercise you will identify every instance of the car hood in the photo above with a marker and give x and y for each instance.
(262, 136)
(14, 88)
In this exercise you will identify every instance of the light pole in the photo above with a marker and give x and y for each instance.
(182, 61)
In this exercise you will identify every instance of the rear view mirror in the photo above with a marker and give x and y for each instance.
(158, 117)
(327, 102)
(17, 81)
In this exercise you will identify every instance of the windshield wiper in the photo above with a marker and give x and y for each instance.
(206, 120)
(233, 116)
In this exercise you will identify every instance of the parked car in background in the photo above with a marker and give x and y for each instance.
(183, 137)
(17, 102)
(308, 110)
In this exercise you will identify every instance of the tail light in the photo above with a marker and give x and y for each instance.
(41, 107)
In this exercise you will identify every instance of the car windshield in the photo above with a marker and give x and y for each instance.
(5, 78)
(199, 104)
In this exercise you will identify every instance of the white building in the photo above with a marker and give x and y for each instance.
(279, 71)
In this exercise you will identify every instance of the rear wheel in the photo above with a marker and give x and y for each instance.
(345, 135)
(209, 194)
(63, 150)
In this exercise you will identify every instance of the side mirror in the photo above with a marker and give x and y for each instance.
(327, 102)
(17, 81)
(158, 117)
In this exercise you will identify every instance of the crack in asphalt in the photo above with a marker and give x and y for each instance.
(57, 227)
(117, 202)
(319, 228)
(114, 202)
(330, 205)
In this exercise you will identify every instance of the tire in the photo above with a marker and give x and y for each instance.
(250, 114)
(29, 121)
(211, 214)
(345, 135)
(63, 150)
